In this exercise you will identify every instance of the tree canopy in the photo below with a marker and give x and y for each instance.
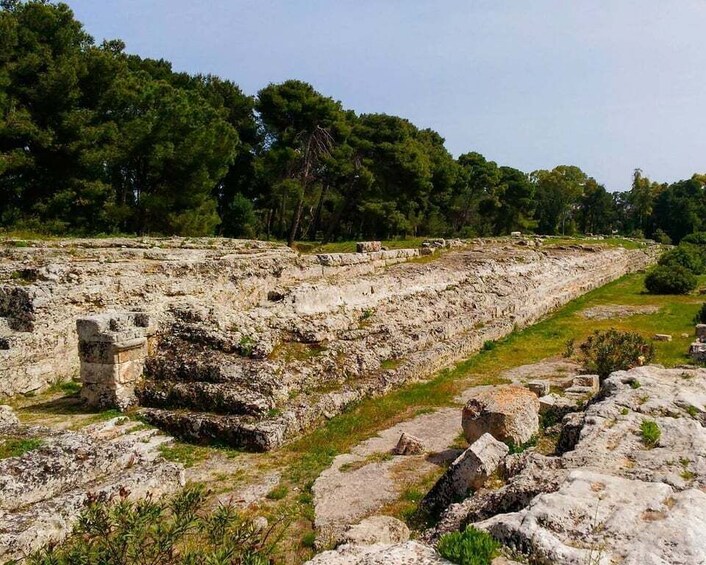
(96, 140)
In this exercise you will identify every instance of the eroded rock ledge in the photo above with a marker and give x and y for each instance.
(614, 497)
(257, 343)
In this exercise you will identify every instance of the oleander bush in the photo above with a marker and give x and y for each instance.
(670, 279)
(612, 350)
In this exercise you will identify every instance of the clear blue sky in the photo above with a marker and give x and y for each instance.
(608, 85)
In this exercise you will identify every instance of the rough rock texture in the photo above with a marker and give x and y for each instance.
(258, 343)
(612, 498)
(409, 553)
(377, 529)
(508, 413)
(469, 471)
(43, 491)
(409, 445)
(8, 418)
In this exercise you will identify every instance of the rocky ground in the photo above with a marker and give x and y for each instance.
(610, 491)
(45, 484)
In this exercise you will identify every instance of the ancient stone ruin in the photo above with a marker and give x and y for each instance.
(251, 343)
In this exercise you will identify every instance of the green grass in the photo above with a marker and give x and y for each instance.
(650, 432)
(609, 241)
(278, 493)
(67, 387)
(15, 447)
(349, 246)
(185, 453)
(470, 547)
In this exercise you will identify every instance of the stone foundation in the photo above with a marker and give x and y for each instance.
(112, 349)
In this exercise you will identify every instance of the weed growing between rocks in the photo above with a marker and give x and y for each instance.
(650, 432)
(180, 530)
(470, 547)
(15, 447)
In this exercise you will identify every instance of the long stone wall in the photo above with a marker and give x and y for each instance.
(46, 286)
(298, 337)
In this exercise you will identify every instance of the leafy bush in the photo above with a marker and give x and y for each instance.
(673, 279)
(470, 547)
(661, 237)
(168, 531)
(607, 351)
(650, 433)
(685, 256)
(696, 238)
(701, 315)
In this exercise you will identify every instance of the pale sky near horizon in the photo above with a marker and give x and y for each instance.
(607, 85)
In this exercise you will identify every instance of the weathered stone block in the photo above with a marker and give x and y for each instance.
(113, 348)
(508, 413)
(368, 246)
(701, 331)
(540, 388)
(409, 445)
(8, 418)
(590, 381)
(662, 337)
(470, 470)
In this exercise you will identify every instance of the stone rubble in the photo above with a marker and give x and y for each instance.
(610, 497)
(409, 445)
(43, 491)
(468, 472)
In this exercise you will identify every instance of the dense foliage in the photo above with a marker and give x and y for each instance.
(95, 140)
(701, 315)
(672, 279)
(606, 351)
(177, 531)
(470, 547)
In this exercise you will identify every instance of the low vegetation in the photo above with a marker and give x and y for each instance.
(470, 547)
(673, 279)
(650, 433)
(176, 531)
(612, 350)
(15, 447)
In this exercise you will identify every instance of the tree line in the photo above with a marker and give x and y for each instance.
(94, 140)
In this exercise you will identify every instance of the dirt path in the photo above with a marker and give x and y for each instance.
(371, 475)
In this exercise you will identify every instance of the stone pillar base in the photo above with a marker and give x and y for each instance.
(112, 349)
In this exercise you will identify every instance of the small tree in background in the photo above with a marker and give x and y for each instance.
(607, 351)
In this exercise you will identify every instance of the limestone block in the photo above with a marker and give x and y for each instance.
(470, 470)
(368, 246)
(409, 445)
(508, 413)
(377, 529)
(662, 337)
(697, 351)
(701, 331)
(540, 388)
(8, 418)
(592, 382)
(571, 427)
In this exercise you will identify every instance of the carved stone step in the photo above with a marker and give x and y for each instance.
(204, 396)
(241, 432)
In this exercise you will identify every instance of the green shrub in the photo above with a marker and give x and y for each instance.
(685, 256)
(673, 279)
(650, 432)
(701, 315)
(696, 238)
(169, 531)
(470, 547)
(607, 351)
(660, 236)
